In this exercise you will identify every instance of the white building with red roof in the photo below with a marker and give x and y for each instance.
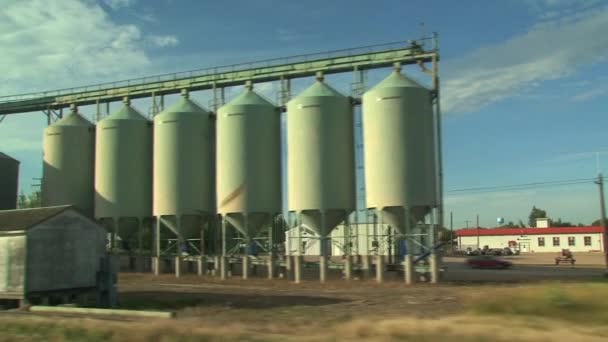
(535, 240)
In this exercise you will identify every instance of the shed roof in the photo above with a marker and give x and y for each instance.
(24, 219)
(6, 156)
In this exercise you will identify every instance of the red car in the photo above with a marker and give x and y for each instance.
(488, 261)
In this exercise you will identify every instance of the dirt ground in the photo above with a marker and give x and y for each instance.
(261, 309)
(262, 301)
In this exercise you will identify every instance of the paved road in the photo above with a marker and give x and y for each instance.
(457, 271)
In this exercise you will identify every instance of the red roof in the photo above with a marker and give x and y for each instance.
(528, 231)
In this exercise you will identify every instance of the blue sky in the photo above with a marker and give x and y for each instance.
(524, 82)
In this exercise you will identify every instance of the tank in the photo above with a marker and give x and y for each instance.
(68, 148)
(183, 167)
(9, 182)
(320, 157)
(248, 164)
(123, 169)
(399, 150)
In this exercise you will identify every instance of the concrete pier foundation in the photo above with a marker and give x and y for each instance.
(322, 268)
(379, 269)
(348, 272)
(245, 272)
(408, 269)
(297, 269)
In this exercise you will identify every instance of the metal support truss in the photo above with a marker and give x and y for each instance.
(331, 62)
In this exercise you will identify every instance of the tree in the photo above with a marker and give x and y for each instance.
(510, 224)
(560, 223)
(521, 224)
(33, 200)
(536, 213)
(597, 223)
(445, 235)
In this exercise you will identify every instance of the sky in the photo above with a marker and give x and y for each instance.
(524, 83)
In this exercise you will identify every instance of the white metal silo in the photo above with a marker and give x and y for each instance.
(399, 152)
(68, 153)
(248, 168)
(123, 171)
(183, 195)
(320, 161)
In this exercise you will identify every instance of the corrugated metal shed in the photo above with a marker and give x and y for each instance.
(45, 250)
(9, 180)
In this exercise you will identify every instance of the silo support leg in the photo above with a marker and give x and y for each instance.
(379, 268)
(407, 267)
(245, 267)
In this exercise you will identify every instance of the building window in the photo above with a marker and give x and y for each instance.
(587, 240)
(541, 242)
(571, 241)
(556, 242)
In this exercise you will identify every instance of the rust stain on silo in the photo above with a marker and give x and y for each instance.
(233, 195)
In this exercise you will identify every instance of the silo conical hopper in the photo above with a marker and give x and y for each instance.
(399, 150)
(68, 168)
(320, 157)
(183, 197)
(123, 163)
(248, 162)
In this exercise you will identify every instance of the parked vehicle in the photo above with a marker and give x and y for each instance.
(565, 257)
(471, 251)
(488, 261)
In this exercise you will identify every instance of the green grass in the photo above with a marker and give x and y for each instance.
(581, 303)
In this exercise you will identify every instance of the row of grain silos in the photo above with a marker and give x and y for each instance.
(115, 183)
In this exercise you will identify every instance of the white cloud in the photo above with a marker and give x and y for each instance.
(548, 51)
(60, 44)
(57, 44)
(591, 94)
(163, 41)
(118, 4)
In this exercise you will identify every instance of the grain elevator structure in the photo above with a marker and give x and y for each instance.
(341, 183)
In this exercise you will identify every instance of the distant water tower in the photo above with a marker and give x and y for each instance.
(500, 221)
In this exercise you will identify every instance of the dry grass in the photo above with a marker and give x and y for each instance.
(458, 328)
(546, 312)
(581, 303)
(468, 328)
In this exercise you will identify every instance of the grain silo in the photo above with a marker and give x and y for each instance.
(183, 194)
(9, 182)
(123, 173)
(399, 153)
(68, 148)
(320, 162)
(248, 166)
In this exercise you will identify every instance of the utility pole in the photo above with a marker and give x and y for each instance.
(600, 183)
(467, 222)
(451, 231)
(477, 230)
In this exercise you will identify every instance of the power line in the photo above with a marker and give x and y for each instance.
(523, 186)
